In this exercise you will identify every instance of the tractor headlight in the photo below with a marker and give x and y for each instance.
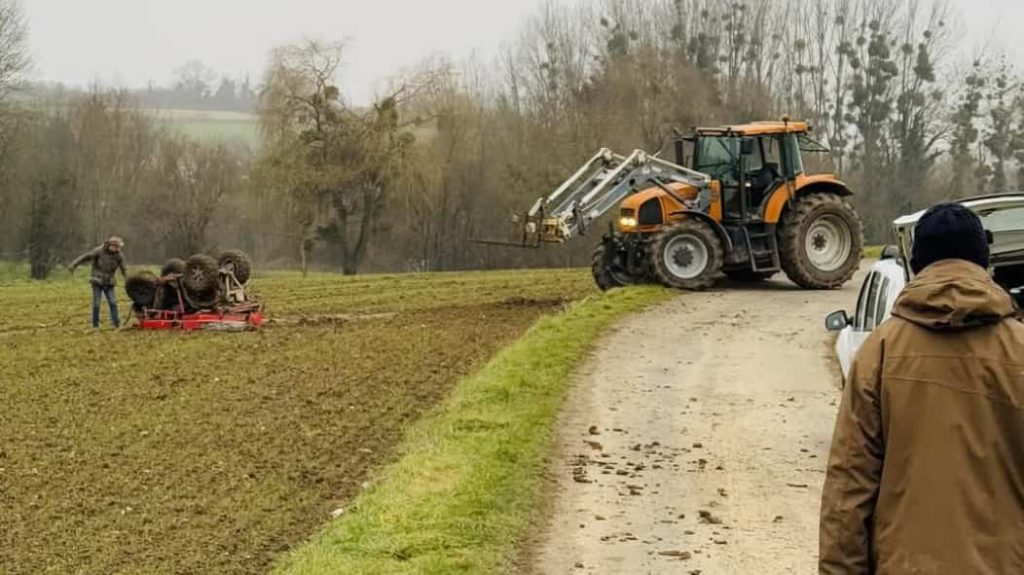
(627, 222)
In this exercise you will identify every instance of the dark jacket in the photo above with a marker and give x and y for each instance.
(926, 472)
(104, 265)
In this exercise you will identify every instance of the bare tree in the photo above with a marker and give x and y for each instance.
(14, 52)
(338, 162)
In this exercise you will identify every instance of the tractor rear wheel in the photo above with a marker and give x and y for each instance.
(820, 242)
(687, 255)
(608, 274)
(236, 262)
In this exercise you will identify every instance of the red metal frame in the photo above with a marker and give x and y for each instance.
(237, 318)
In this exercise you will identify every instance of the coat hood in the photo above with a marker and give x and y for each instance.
(953, 295)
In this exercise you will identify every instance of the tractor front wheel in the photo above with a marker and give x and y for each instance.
(608, 270)
(687, 255)
(820, 242)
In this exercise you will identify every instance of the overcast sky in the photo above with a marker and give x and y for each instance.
(132, 42)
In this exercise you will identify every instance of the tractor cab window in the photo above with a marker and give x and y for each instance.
(772, 151)
(763, 168)
(718, 156)
(794, 164)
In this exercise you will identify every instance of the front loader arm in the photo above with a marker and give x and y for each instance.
(597, 187)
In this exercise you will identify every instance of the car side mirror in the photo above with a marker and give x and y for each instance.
(890, 252)
(1017, 294)
(837, 321)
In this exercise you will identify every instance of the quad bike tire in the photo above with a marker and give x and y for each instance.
(820, 241)
(141, 288)
(236, 262)
(173, 266)
(168, 296)
(606, 274)
(687, 255)
(200, 278)
(748, 276)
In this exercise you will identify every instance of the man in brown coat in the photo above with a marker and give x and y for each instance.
(926, 471)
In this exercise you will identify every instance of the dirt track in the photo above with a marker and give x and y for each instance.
(696, 438)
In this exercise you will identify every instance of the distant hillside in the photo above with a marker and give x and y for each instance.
(211, 125)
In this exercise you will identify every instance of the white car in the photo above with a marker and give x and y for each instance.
(1003, 217)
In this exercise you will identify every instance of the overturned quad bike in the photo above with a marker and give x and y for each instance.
(200, 293)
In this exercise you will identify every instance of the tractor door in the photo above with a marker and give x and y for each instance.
(765, 170)
(719, 158)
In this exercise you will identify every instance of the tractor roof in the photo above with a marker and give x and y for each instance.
(757, 128)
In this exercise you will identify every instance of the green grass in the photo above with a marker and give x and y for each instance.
(212, 126)
(463, 493)
(873, 252)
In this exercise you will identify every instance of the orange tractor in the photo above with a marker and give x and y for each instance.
(736, 202)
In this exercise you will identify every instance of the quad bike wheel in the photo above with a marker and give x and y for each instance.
(608, 273)
(173, 266)
(167, 296)
(141, 288)
(687, 255)
(237, 263)
(200, 278)
(748, 276)
(820, 242)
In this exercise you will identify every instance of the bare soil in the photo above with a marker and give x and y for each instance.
(213, 453)
(696, 438)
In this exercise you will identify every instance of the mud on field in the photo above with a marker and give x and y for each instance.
(174, 453)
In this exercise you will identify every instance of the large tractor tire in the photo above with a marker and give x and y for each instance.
(607, 273)
(820, 242)
(236, 262)
(141, 288)
(687, 255)
(748, 276)
(200, 278)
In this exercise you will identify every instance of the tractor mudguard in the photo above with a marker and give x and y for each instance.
(779, 199)
(727, 244)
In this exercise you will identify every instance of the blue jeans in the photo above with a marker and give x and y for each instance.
(108, 292)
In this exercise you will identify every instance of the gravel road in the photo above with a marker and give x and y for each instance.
(696, 437)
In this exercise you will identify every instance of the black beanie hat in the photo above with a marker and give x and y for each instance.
(949, 231)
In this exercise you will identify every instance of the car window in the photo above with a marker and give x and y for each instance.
(1003, 220)
(872, 304)
(859, 319)
(883, 301)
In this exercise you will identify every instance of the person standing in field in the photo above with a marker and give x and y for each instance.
(926, 470)
(106, 260)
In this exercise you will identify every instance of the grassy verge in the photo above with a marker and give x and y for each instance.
(463, 492)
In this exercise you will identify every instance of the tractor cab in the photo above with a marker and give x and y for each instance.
(750, 161)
